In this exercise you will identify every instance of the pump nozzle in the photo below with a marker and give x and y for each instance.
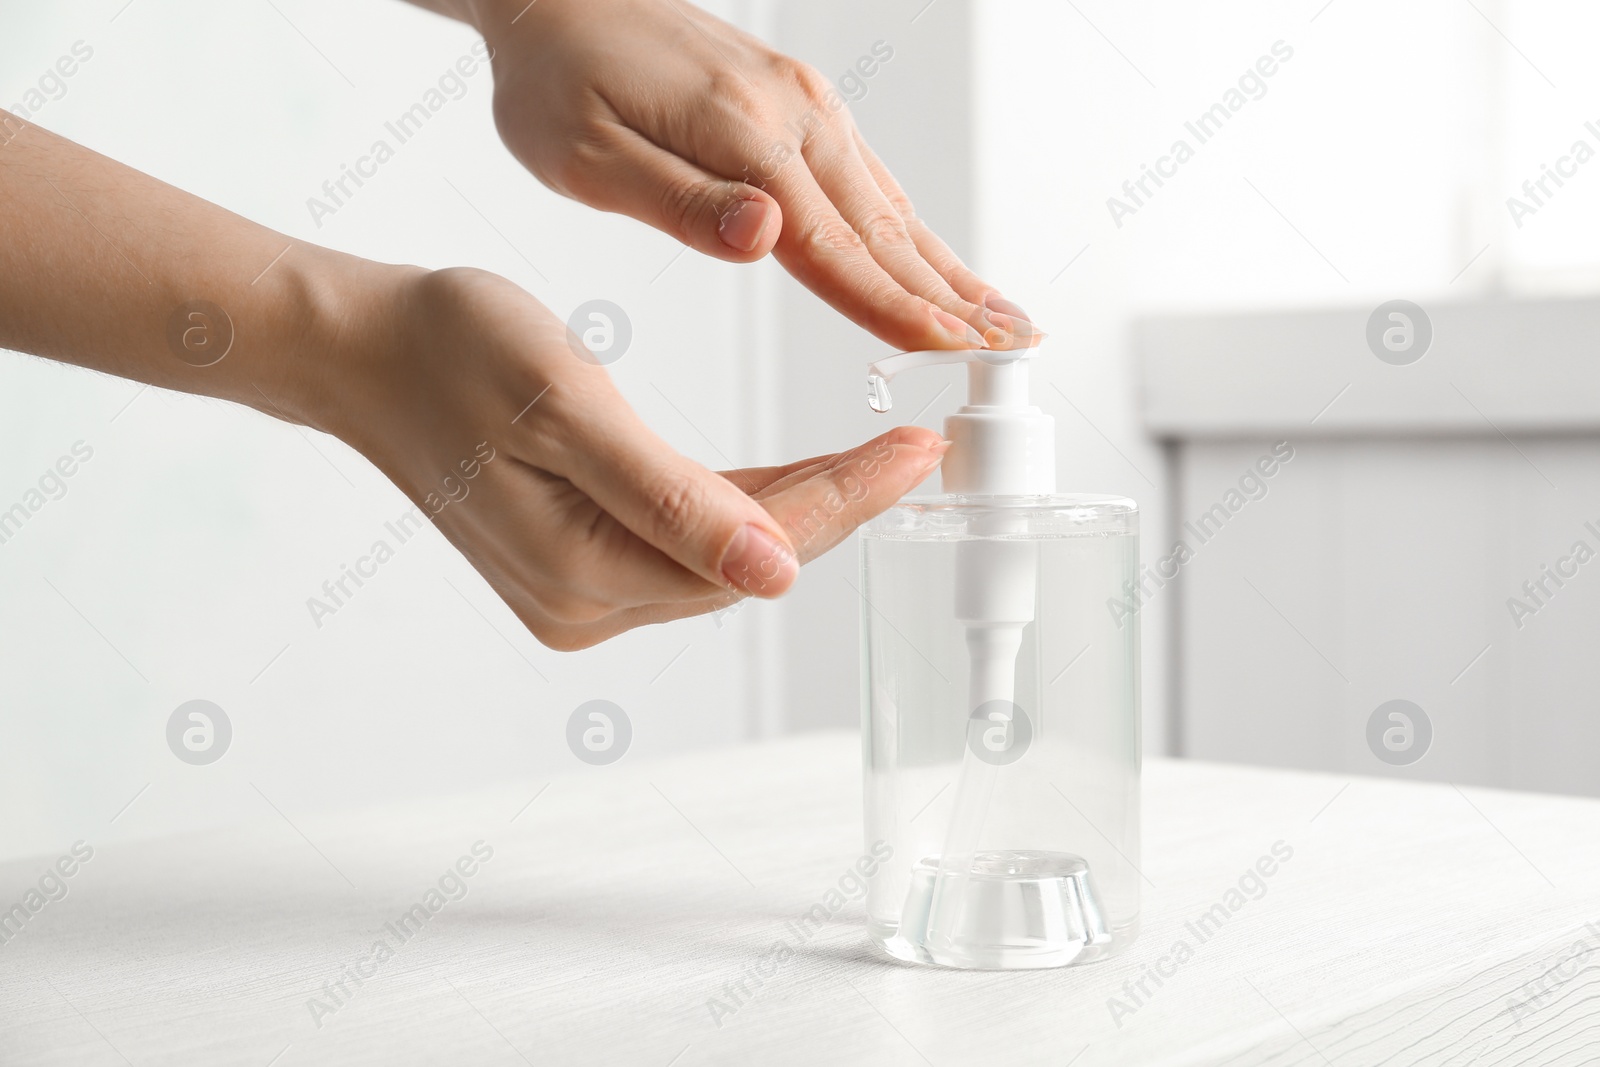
(1001, 445)
(881, 371)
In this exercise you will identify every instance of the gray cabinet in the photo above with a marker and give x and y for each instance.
(1434, 537)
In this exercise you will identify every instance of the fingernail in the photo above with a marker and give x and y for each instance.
(996, 302)
(743, 224)
(756, 561)
(1020, 333)
(958, 329)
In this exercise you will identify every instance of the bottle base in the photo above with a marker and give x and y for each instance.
(1011, 910)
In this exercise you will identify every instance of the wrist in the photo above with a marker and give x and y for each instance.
(504, 22)
(495, 19)
(341, 321)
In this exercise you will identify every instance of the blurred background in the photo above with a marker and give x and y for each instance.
(1339, 155)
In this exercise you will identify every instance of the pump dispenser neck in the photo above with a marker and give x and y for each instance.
(1000, 444)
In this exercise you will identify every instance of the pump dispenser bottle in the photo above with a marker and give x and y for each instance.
(1000, 695)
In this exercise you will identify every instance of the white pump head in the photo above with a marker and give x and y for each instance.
(1000, 444)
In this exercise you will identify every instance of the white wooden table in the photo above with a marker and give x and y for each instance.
(619, 904)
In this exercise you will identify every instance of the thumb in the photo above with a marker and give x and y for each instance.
(730, 220)
(701, 520)
(818, 504)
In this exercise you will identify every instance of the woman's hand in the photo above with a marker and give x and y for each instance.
(468, 394)
(655, 109)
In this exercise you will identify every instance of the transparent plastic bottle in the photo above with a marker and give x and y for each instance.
(1000, 699)
(1043, 807)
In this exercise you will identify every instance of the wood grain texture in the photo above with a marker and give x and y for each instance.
(1403, 929)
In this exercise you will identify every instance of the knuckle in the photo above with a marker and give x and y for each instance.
(903, 206)
(885, 231)
(833, 240)
(962, 279)
(682, 206)
(811, 83)
(676, 505)
(736, 94)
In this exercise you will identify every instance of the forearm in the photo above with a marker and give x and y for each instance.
(108, 268)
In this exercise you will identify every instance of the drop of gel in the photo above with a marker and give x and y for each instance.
(878, 393)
